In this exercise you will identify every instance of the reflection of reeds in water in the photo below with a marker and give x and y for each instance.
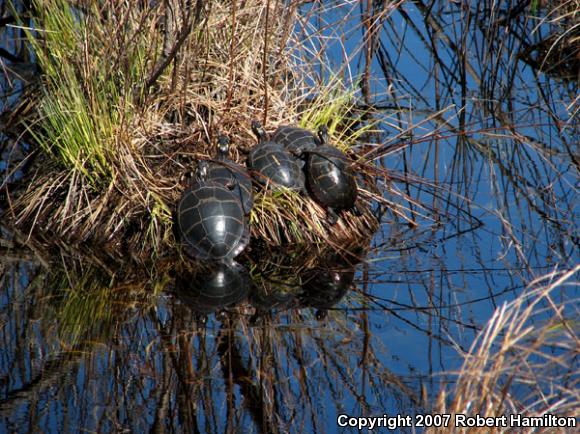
(129, 349)
(557, 53)
(143, 352)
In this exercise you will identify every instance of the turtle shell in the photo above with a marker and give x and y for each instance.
(272, 163)
(211, 222)
(331, 180)
(325, 288)
(295, 139)
(224, 171)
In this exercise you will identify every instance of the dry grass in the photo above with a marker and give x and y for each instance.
(558, 52)
(142, 109)
(524, 361)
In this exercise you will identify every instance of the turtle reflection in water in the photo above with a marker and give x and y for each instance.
(213, 288)
(268, 299)
(322, 288)
(274, 292)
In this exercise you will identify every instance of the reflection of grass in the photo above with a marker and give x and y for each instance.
(85, 310)
(524, 361)
(87, 301)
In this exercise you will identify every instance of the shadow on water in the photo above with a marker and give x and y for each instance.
(287, 341)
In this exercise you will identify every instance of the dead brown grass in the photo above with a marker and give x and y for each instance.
(530, 345)
(208, 70)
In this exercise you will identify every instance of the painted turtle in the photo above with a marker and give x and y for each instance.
(274, 164)
(295, 139)
(231, 175)
(210, 219)
(331, 181)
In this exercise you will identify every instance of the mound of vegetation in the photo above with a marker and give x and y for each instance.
(131, 95)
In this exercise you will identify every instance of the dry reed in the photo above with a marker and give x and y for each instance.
(137, 113)
(523, 361)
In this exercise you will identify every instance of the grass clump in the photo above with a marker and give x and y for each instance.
(123, 118)
(84, 98)
(335, 107)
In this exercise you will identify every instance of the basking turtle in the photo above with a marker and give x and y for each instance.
(331, 180)
(231, 175)
(210, 219)
(295, 139)
(274, 164)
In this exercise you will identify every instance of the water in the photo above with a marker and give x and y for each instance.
(88, 350)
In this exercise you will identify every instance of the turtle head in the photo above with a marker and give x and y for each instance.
(258, 130)
(201, 171)
(323, 135)
(223, 146)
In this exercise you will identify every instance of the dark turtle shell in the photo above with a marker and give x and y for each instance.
(211, 222)
(331, 180)
(222, 172)
(265, 301)
(232, 175)
(295, 139)
(274, 164)
(323, 288)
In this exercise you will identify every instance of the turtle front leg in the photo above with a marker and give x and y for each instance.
(331, 216)
(358, 209)
(187, 177)
(232, 182)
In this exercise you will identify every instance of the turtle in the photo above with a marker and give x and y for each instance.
(210, 220)
(272, 163)
(232, 175)
(295, 139)
(330, 179)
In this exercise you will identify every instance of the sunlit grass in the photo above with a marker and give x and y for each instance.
(84, 99)
(521, 361)
(103, 109)
(160, 220)
(335, 107)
